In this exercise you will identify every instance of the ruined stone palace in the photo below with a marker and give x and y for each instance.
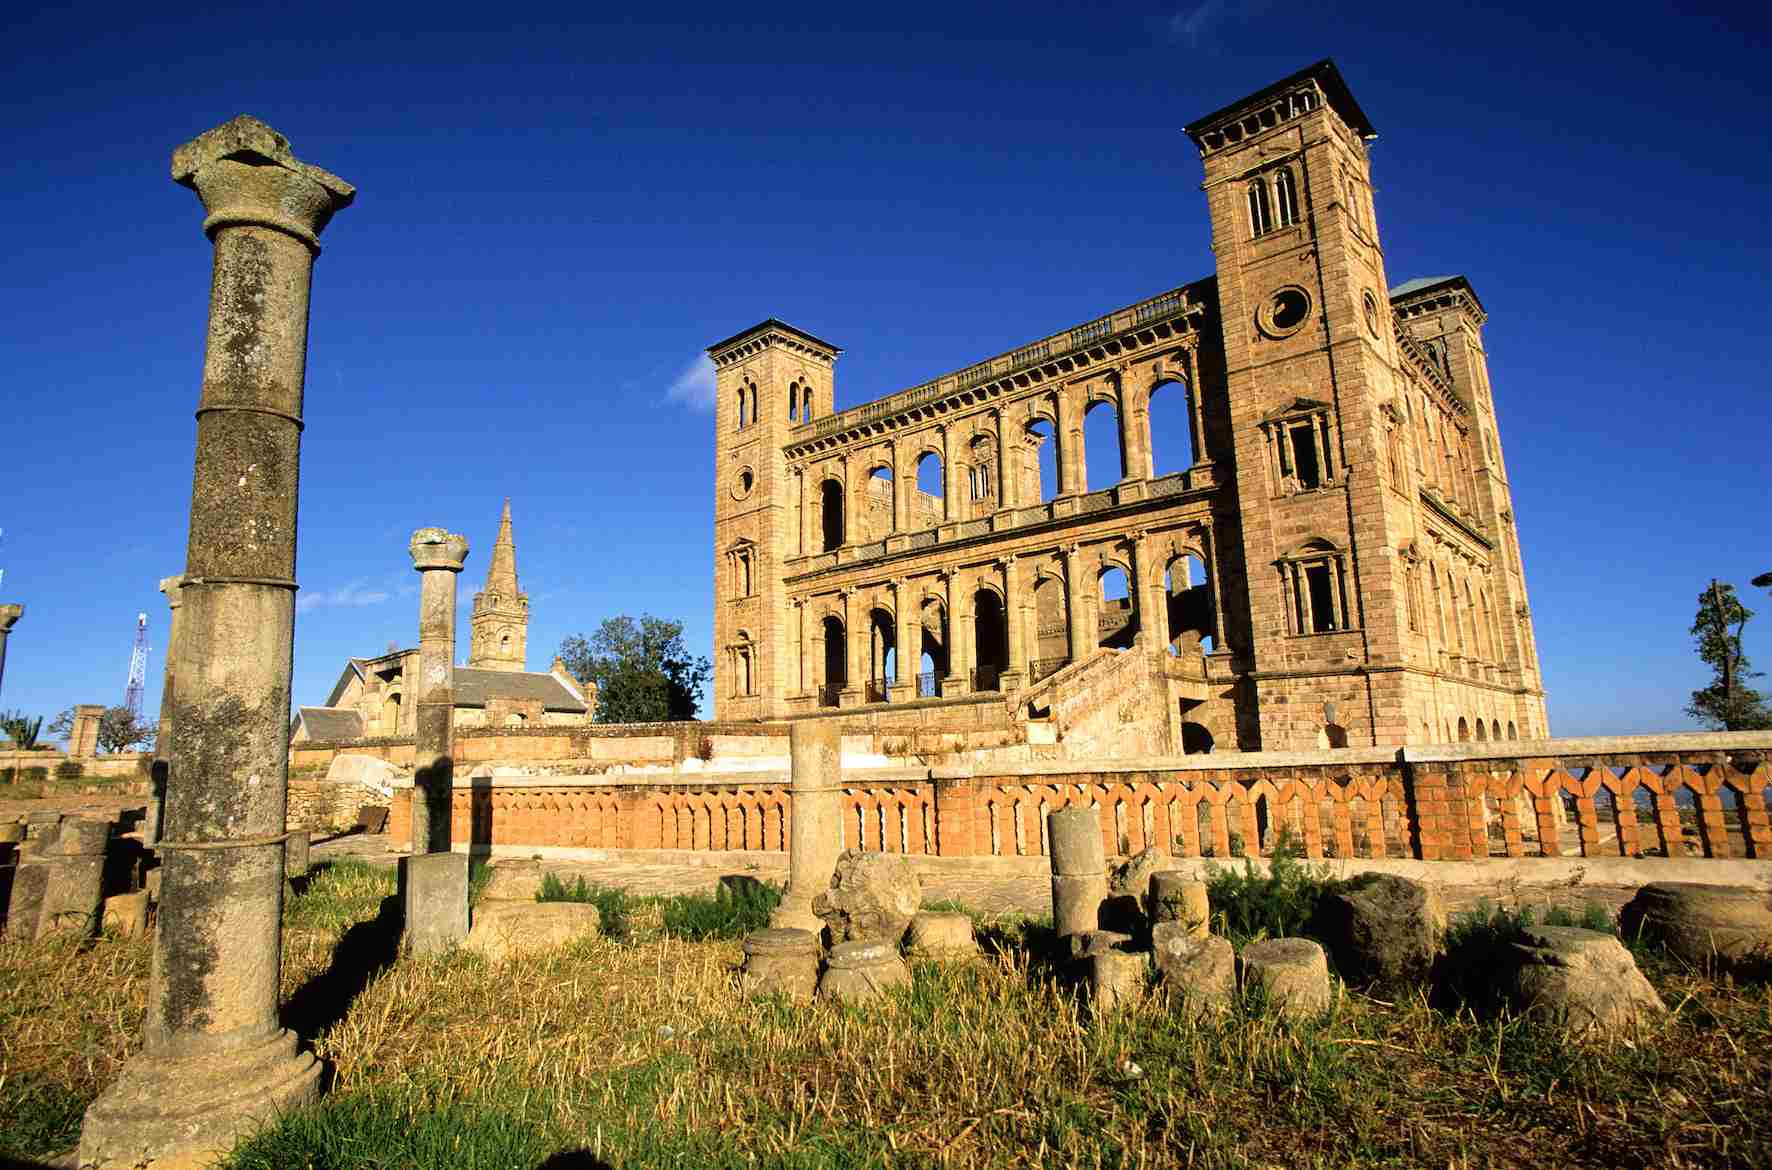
(376, 697)
(1335, 563)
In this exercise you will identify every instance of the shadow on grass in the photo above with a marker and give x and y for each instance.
(575, 1160)
(363, 950)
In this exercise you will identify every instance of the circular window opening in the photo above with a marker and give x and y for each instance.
(1285, 312)
(743, 483)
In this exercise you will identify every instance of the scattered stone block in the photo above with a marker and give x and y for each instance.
(25, 907)
(1583, 980)
(295, 854)
(434, 893)
(1079, 869)
(127, 914)
(1292, 972)
(1116, 979)
(512, 881)
(1383, 932)
(942, 935)
(503, 930)
(373, 819)
(151, 884)
(1176, 897)
(780, 960)
(1203, 969)
(859, 971)
(1724, 928)
(872, 896)
(1086, 944)
(1133, 878)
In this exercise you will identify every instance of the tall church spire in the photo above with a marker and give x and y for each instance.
(500, 623)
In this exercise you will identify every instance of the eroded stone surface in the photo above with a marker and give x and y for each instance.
(1708, 926)
(1584, 980)
(936, 934)
(871, 896)
(1203, 969)
(502, 930)
(1383, 932)
(513, 880)
(1117, 978)
(780, 960)
(1292, 972)
(1132, 877)
(856, 972)
(1175, 896)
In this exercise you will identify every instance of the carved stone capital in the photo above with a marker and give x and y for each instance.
(246, 175)
(434, 548)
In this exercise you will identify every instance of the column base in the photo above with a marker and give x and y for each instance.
(794, 912)
(170, 1114)
(902, 692)
(1011, 681)
(849, 698)
(955, 685)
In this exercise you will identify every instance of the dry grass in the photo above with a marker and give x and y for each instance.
(641, 1053)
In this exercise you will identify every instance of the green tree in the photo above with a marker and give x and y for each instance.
(20, 728)
(643, 672)
(1728, 703)
(118, 729)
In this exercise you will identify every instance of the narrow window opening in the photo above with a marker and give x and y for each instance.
(1260, 212)
(1304, 456)
(1286, 193)
(1322, 592)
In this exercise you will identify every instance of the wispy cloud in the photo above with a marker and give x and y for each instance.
(694, 387)
(1190, 22)
(345, 596)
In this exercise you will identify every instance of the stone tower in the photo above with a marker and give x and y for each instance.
(499, 627)
(771, 382)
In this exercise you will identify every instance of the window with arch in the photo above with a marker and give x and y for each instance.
(805, 404)
(743, 658)
(741, 565)
(830, 501)
(1301, 451)
(1261, 214)
(1286, 197)
(1314, 583)
(981, 476)
(1412, 592)
(793, 402)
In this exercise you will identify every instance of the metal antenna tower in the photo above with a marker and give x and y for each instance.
(138, 667)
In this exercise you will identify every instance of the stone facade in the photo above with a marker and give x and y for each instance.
(1338, 565)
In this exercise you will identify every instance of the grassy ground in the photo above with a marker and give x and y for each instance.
(636, 1051)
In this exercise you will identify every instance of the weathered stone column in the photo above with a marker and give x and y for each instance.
(438, 556)
(1079, 869)
(214, 1061)
(1076, 604)
(9, 615)
(1013, 618)
(171, 587)
(908, 649)
(83, 739)
(815, 783)
(950, 496)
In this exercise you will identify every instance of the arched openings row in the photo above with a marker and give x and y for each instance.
(799, 402)
(746, 403)
(1273, 201)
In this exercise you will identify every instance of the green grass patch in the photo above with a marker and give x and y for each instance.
(733, 910)
(396, 1127)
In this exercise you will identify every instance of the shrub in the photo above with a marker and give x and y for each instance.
(613, 905)
(732, 911)
(36, 773)
(1477, 946)
(69, 770)
(1248, 905)
(8, 775)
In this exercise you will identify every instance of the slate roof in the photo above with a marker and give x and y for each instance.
(331, 724)
(1419, 283)
(474, 687)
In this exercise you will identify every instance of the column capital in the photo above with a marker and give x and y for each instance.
(846, 591)
(435, 548)
(246, 175)
(1006, 561)
(9, 615)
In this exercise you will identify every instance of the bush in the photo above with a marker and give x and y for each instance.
(8, 775)
(69, 770)
(1249, 905)
(733, 911)
(36, 774)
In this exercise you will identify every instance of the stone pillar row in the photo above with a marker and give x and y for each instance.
(214, 1059)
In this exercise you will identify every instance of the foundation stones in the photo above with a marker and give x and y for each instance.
(434, 895)
(1201, 968)
(856, 972)
(59, 883)
(941, 935)
(1583, 980)
(871, 896)
(512, 881)
(1712, 927)
(126, 914)
(1293, 974)
(815, 791)
(1117, 978)
(1176, 897)
(1079, 869)
(505, 929)
(1133, 877)
(780, 960)
(1383, 932)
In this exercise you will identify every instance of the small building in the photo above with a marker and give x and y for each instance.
(372, 699)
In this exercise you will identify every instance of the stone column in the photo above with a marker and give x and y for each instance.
(83, 739)
(904, 484)
(950, 496)
(958, 680)
(1006, 486)
(815, 838)
(803, 674)
(806, 543)
(438, 556)
(1077, 605)
(1147, 583)
(909, 642)
(1079, 869)
(1016, 673)
(1073, 479)
(1197, 424)
(214, 1060)
(170, 586)
(9, 615)
(1210, 559)
(853, 643)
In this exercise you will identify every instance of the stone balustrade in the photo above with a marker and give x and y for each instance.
(1686, 796)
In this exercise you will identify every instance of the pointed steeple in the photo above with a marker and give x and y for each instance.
(500, 623)
(501, 573)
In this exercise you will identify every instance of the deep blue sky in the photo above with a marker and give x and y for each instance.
(557, 211)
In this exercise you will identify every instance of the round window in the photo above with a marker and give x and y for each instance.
(743, 482)
(1285, 312)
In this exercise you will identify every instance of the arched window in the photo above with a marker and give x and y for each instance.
(1040, 463)
(1261, 219)
(1116, 621)
(1175, 431)
(1286, 197)
(793, 401)
(740, 397)
(806, 404)
(830, 499)
(1104, 455)
(991, 641)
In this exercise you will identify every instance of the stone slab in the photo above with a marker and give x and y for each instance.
(434, 894)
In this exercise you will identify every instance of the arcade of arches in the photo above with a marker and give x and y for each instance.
(1306, 552)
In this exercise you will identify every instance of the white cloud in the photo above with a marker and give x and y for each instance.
(1190, 22)
(345, 596)
(694, 387)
